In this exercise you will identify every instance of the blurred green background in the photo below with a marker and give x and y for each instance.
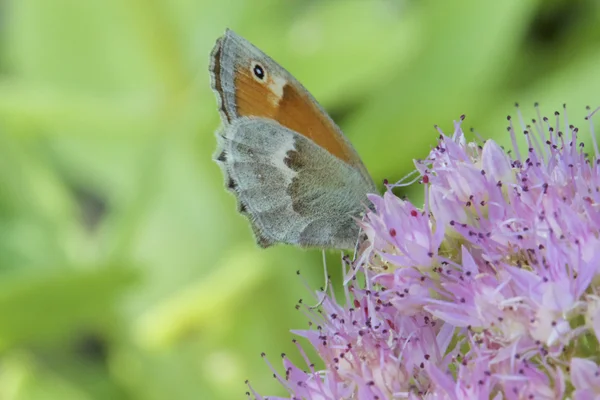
(125, 270)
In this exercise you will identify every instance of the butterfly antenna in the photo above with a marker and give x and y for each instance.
(326, 283)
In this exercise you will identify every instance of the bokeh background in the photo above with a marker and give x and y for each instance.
(125, 270)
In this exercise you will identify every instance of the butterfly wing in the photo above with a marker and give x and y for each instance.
(276, 95)
(292, 190)
(296, 176)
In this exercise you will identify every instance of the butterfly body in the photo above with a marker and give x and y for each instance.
(296, 177)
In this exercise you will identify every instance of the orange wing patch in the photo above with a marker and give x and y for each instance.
(292, 109)
(254, 98)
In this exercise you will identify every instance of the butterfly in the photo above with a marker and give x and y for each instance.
(296, 176)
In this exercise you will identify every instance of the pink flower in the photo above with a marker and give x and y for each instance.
(585, 376)
(490, 290)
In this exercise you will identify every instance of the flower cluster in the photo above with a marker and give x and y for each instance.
(487, 291)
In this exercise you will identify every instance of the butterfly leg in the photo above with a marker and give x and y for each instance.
(327, 280)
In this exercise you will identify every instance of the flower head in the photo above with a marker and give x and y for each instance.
(487, 291)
